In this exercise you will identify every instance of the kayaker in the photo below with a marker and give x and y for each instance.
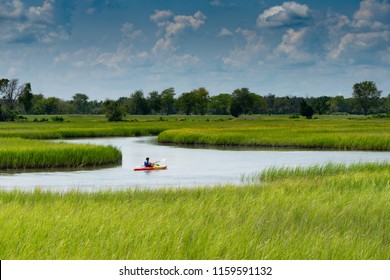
(147, 163)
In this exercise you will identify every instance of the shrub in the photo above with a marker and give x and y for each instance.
(57, 119)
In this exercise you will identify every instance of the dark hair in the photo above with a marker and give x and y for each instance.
(147, 158)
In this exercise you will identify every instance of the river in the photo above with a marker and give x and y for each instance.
(187, 167)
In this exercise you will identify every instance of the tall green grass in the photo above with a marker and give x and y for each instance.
(331, 212)
(326, 132)
(16, 153)
(277, 173)
(339, 134)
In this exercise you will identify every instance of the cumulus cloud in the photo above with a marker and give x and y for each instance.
(372, 14)
(367, 33)
(173, 26)
(291, 46)
(11, 9)
(181, 22)
(355, 46)
(285, 36)
(161, 17)
(251, 53)
(129, 32)
(42, 13)
(333, 36)
(163, 45)
(288, 14)
(46, 23)
(225, 32)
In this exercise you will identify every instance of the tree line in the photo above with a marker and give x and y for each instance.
(18, 99)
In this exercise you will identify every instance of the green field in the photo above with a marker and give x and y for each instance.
(333, 212)
(324, 132)
(322, 212)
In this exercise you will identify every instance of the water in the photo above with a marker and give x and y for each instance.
(186, 166)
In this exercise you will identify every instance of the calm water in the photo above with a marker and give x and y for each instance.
(186, 166)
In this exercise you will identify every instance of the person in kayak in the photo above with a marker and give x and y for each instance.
(147, 163)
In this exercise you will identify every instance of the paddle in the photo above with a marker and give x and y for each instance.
(161, 160)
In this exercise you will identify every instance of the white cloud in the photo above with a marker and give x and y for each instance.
(54, 35)
(354, 45)
(288, 14)
(163, 45)
(181, 22)
(30, 24)
(11, 9)
(42, 13)
(362, 37)
(129, 32)
(161, 17)
(225, 32)
(372, 14)
(291, 46)
(250, 54)
(173, 27)
(249, 35)
(286, 37)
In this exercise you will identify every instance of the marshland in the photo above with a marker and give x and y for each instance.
(273, 118)
(331, 211)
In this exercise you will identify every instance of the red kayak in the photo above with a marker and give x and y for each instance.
(155, 167)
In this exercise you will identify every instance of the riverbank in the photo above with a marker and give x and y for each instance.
(335, 212)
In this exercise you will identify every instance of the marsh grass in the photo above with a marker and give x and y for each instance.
(322, 212)
(331, 212)
(326, 132)
(316, 134)
(277, 173)
(16, 153)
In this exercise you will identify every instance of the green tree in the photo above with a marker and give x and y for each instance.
(168, 101)
(154, 102)
(80, 102)
(220, 104)
(321, 104)
(306, 110)
(138, 104)
(186, 103)
(114, 111)
(259, 104)
(366, 95)
(11, 91)
(338, 104)
(270, 100)
(387, 104)
(245, 102)
(202, 99)
(51, 105)
(7, 114)
(282, 105)
(26, 99)
(241, 102)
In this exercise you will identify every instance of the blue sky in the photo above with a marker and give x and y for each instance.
(109, 49)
